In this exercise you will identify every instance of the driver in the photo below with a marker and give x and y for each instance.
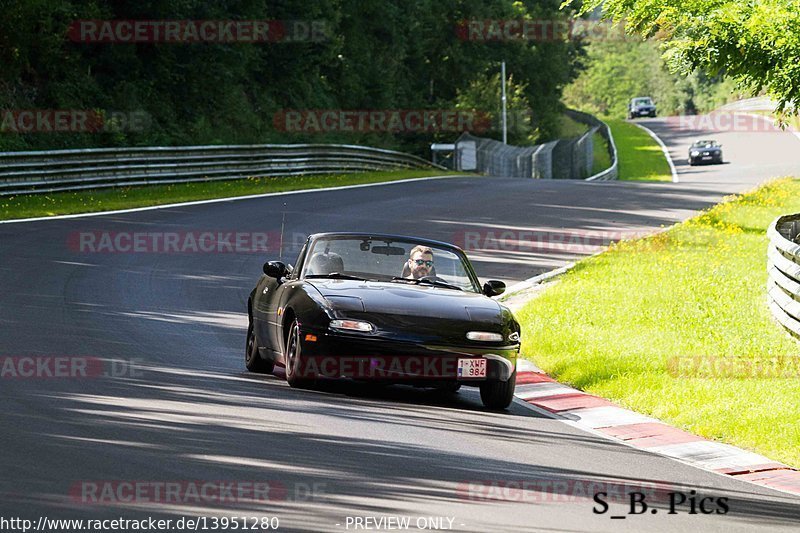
(420, 262)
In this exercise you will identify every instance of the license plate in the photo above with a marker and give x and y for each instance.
(706, 157)
(471, 368)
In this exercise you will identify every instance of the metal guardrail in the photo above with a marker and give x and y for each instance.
(612, 172)
(783, 266)
(65, 170)
(561, 159)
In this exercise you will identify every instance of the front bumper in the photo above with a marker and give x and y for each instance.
(358, 357)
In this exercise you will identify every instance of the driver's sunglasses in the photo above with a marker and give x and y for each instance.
(421, 262)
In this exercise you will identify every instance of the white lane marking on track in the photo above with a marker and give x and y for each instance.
(217, 200)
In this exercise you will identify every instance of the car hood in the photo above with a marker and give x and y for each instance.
(397, 298)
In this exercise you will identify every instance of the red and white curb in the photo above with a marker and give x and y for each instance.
(604, 418)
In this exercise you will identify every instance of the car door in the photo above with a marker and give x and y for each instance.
(274, 305)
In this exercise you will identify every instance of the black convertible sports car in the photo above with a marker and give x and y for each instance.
(707, 151)
(383, 308)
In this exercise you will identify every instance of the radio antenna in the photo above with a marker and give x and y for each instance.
(283, 224)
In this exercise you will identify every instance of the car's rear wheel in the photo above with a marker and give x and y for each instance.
(498, 394)
(252, 360)
(294, 359)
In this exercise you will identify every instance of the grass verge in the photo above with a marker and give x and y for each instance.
(88, 201)
(569, 127)
(601, 159)
(640, 157)
(623, 325)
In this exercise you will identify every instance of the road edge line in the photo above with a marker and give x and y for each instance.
(664, 149)
(225, 199)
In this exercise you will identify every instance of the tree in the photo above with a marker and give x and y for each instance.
(483, 96)
(755, 42)
(617, 71)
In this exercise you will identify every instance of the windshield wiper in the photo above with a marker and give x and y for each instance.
(429, 281)
(336, 275)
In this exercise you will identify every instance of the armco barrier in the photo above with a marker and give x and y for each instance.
(783, 265)
(63, 170)
(561, 159)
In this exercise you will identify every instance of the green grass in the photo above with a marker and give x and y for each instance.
(569, 128)
(62, 203)
(601, 159)
(640, 157)
(613, 325)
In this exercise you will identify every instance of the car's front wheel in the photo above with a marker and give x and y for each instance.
(252, 360)
(294, 360)
(498, 394)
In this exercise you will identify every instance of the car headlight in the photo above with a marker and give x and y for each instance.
(484, 336)
(352, 325)
(694, 153)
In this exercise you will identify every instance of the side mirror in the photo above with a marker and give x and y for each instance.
(494, 287)
(275, 269)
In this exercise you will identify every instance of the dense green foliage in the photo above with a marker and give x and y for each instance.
(376, 55)
(756, 42)
(618, 70)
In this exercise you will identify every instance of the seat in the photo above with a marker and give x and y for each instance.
(321, 263)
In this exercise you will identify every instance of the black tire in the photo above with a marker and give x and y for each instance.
(691, 162)
(294, 359)
(252, 360)
(653, 114)
(498, 394)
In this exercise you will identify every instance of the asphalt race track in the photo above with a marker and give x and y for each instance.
(178, 407)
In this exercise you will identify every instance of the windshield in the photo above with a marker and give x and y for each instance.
(379, 259)
(642, 101)
(705, 144)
